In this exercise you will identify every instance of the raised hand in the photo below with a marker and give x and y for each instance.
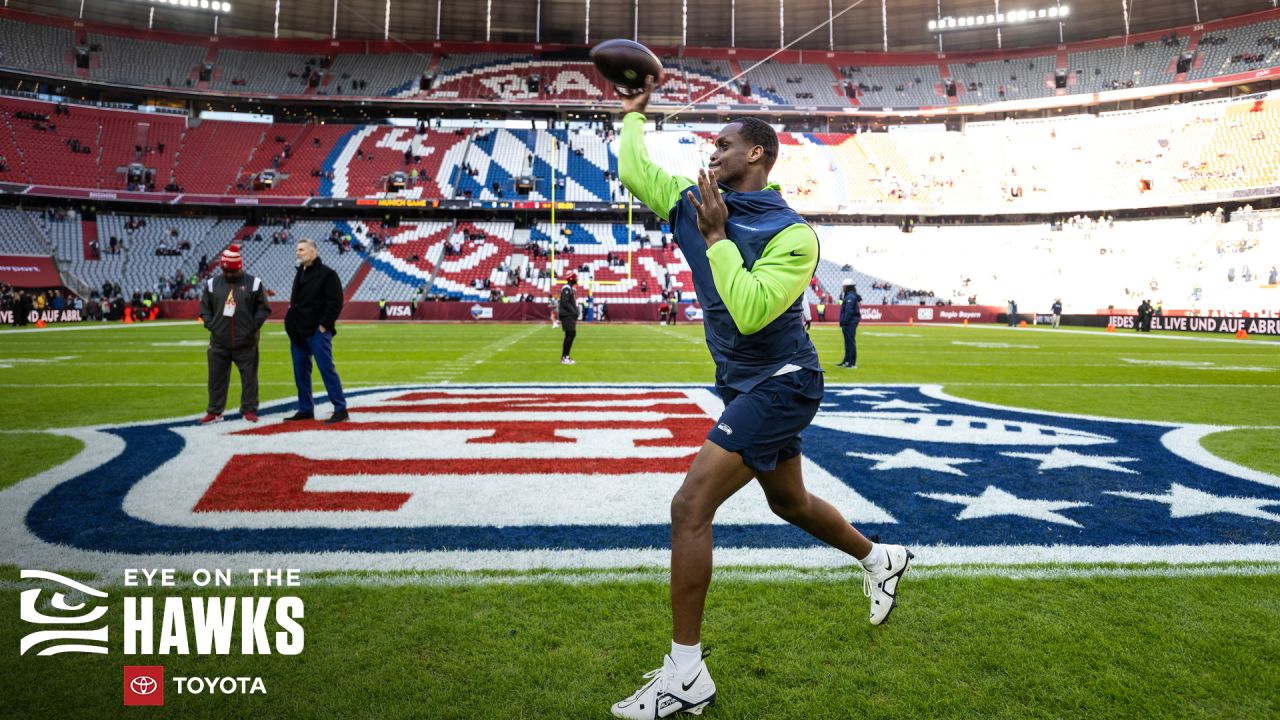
(638, 100)
(712, 212)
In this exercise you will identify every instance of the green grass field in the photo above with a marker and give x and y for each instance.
(1044, 641)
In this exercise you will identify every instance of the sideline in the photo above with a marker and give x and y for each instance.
(98, 326)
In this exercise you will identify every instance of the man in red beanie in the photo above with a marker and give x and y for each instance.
(233, 306)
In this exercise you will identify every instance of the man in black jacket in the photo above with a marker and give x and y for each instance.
(1145, 313)
(850, 316)
(233, 307)
(311, 324)
(567, 310)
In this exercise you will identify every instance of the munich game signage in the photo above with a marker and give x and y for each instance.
(925, 313)
(565, 477)
(49, 316)
(1224, 325)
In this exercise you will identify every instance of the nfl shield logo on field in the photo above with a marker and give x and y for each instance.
(516, 477)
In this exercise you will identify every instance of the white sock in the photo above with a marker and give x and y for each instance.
(875, 559)
(686, 657)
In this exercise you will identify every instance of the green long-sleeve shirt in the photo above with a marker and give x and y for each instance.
(755, 297)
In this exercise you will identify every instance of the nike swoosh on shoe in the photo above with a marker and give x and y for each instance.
(691, 682)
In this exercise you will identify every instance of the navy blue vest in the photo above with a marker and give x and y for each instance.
(743, 361)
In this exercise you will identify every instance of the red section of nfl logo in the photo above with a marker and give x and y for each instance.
(143, 685)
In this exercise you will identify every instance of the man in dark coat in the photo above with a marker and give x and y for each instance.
(311, 324)
(567, 310)
(1145, 312)
(233, 306)
(850, 316)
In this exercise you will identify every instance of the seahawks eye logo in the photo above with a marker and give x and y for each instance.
(630, 74)
(32, 614)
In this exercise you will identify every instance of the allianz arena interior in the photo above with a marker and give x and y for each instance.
(1098, 157)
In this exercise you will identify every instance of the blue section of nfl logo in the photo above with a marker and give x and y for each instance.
(956, 474)
(932, 471)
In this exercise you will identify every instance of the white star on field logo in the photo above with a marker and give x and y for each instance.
(1058, 459)
(1189, 502)
(899, 405)
(913, 459)
(994, 502)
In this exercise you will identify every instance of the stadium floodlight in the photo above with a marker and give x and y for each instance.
(1014, 17)
(214, 6)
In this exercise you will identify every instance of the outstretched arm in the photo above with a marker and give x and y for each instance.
(652, 185)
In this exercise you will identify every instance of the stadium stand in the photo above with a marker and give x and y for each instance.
(119, 55)
(215, 153)
(37, 48)
(262, 72)
(20, 236)
(1199, 263)
(404, 270)
(1235, 50)
(1203, 263)
(61, 148)
(1127, 66)
(155, 250)
(153, 141)
(1155, 156)
(130, 61)
(1010, 79)
(797, 84)
(374, 75)
(896, 86)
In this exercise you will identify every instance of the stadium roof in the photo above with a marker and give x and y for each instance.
(756, 23)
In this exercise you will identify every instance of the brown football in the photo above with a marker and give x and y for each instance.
(625, 63)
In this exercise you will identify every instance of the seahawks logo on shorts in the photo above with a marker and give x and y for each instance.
(581, 476)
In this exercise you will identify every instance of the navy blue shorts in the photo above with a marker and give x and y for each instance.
(764, 425)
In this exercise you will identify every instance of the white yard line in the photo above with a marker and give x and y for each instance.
(446, 372)
(96, 326)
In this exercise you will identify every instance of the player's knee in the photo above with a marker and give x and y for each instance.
(687, 510)
(789, 506)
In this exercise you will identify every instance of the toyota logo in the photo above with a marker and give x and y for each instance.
(143, 685)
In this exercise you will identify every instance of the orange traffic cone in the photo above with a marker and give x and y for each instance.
(40, 324)
(966, 322)
(1022, 323)
(1241, 334)
(911, 321)
(128, 315)
(1111, 328)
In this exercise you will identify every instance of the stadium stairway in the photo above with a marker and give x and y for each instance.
(88, 234)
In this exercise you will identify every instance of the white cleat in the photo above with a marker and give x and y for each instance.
(666, 694)
(882, 586)
(566, 360)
